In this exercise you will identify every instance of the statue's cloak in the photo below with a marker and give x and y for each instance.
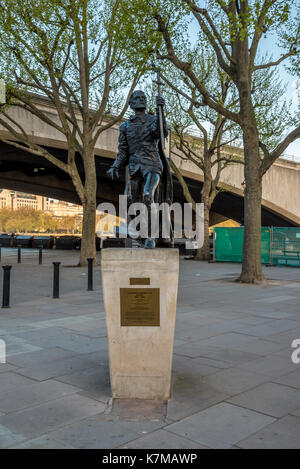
(165, 189)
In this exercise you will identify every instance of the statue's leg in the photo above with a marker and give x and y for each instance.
(150, 186)
(136, 189)
(137, 182)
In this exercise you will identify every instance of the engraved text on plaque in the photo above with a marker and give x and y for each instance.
(140, 307)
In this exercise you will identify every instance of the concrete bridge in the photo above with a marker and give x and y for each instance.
(20, 170)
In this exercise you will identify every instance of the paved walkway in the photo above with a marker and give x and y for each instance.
(234, 381)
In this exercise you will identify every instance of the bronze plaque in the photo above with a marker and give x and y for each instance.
(140, 281)
(140, 307)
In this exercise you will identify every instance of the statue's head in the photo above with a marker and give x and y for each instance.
(138, 100)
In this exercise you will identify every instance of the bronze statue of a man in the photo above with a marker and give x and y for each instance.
(140, 148)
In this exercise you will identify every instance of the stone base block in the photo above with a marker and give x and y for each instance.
(140, 296)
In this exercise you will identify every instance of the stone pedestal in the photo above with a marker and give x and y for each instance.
(140, 296)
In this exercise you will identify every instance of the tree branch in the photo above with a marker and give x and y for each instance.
(27, 104)
(183, 184)
(271, 157)
(177, 90)
(259, 31)
(277, 62)
(121, 114)
(211, 36)
(187, 69)
(32, 148)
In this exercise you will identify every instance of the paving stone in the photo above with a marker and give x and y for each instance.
(285, 352)
(4, 367)
(230, 339)
(189, 397)
(293, 285)
(272, 399)
(234, 380)
(139, 409)
(76, 322)
(8, 437)
(21, 348)
(183, 366)
(261, 347)
(9, 381)
(220, 426)
(31, 336)
(290, 379)
(52, 369)
(277, 315)
(96, 358)
(40, 419)
(162, 439)
(70, 341)
(104, 432)
(97, 332)
(283, 434)
(34, 394)
(11, 340)
(197, 349)
(94, 380)
(285, 338)
(206, 331)
(278, 298)
(267, 330)
(43, 442)
(270, 366)
(42, 356)
(211, 365)
(88, 301)
(252, 321)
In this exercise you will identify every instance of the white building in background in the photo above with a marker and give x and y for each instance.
(15, 200)
(59, 208)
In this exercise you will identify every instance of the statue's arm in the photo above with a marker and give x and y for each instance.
(156, 124)
(123, 151)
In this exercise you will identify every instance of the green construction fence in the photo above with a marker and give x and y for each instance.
(279, 246)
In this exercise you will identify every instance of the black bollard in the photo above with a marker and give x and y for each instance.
(0, 251)
(40, 254)
(56, 279)
(19, 253)
(6, 286)
(90, 274)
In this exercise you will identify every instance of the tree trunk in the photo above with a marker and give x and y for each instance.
(88, 240)
(203, 253)
(251, 267)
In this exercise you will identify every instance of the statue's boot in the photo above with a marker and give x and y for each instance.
(150, 243)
